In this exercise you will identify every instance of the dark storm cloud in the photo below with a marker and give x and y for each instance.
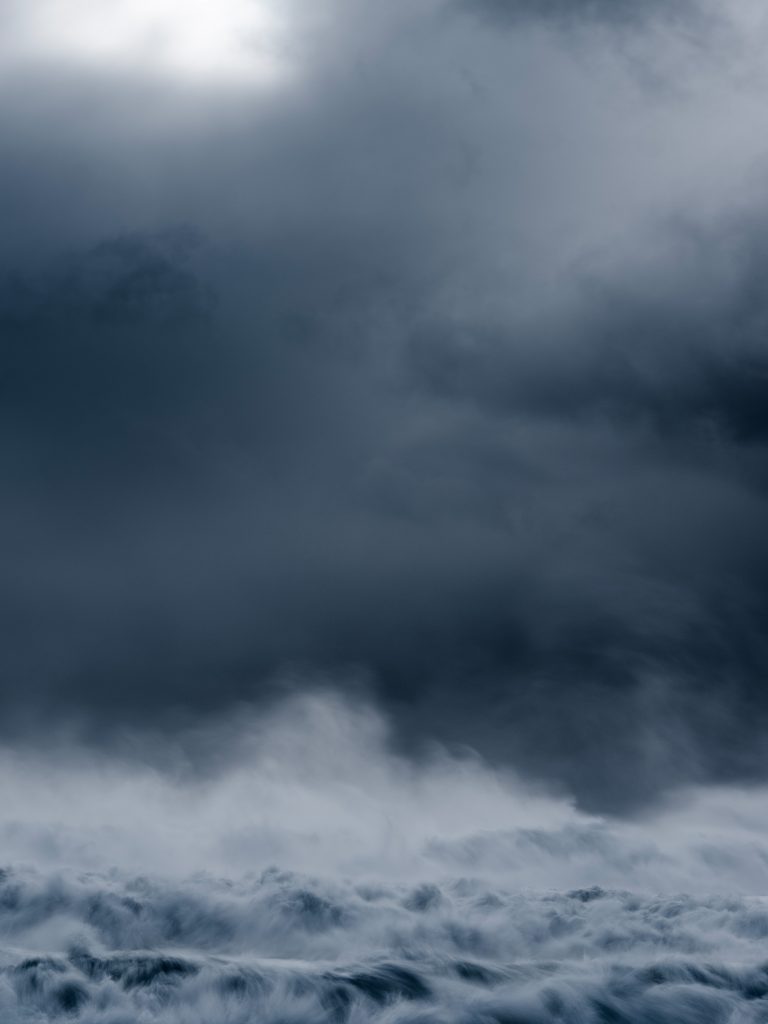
(674, 361)
(614, 13)
(91, 358)
(375, 415)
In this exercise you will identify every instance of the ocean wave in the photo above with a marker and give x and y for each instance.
(282, 947)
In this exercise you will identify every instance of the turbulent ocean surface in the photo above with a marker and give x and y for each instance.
(317, 877)
(281, 947)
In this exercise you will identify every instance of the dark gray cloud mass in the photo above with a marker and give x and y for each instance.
(614, 13)
(441, 367)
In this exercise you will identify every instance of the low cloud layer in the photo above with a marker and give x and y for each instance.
(317, 786)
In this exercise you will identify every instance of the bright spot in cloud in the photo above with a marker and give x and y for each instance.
(197, 39)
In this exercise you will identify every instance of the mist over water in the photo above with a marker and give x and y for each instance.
(313, 874)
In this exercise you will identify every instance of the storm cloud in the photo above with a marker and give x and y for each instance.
(434, 367)
(585, 13)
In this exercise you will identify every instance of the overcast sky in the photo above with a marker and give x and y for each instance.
(416, 349)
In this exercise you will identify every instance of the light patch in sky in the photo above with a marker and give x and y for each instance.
(209, 40)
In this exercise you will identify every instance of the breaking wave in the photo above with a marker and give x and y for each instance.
(315, 876)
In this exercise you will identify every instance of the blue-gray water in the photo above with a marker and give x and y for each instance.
(279, 947)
